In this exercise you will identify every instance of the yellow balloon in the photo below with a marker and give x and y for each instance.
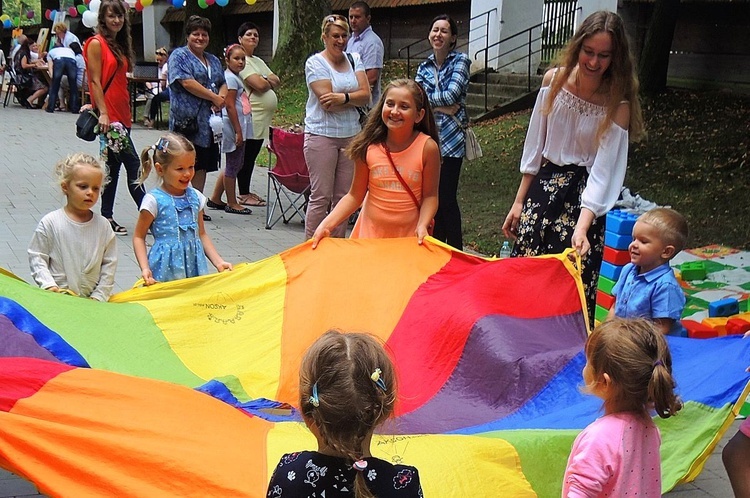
(4, 17)
(250, 2)
(146, 3)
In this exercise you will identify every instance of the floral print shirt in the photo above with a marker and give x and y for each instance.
(184, 65)
(312, 474)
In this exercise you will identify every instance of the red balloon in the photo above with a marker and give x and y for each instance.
(47, 14)
(72, 12)
(138, 6)
(210, 2)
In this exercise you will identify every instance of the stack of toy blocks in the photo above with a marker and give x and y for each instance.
(617, 238)
(725, 317)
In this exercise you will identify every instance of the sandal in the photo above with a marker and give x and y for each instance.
(206, 217)
(215, 205)
(232, 210)
(118, 229)
(252, 199)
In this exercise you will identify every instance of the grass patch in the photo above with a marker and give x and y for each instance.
(694, 159)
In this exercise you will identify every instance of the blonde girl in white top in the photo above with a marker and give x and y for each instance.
(73, 249)
(575, 155)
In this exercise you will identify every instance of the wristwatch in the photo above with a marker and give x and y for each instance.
(264, 76)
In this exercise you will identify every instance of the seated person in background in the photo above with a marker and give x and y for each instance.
(62, 61)
(30, 86)
(63, 37)
(157, 92)
(2, 64)
(647, 287)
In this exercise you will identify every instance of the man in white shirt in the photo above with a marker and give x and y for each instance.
(63, 61)
(367, 44)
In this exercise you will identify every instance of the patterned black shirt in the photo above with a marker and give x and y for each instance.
(314, 475)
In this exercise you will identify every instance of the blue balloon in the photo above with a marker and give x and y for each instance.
(178, 3)
(222, 3)
(7, 24)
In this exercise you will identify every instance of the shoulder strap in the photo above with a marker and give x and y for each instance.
(401, 178)
(351, 61)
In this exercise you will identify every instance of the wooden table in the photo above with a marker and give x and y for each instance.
(133, 83)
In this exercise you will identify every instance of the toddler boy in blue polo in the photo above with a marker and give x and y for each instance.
(647, 287)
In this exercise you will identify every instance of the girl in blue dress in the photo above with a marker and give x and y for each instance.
(174, 213)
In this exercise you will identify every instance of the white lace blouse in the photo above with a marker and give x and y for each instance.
(567, 135)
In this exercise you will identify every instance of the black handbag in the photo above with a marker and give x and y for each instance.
(188, 127)
(87, 124)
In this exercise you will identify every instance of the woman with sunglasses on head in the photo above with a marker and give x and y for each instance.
(337, 83)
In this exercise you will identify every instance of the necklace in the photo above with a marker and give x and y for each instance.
(579, 92)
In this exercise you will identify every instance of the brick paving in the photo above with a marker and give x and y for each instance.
(32, 141)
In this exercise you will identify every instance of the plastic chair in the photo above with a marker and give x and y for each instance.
(289, 179)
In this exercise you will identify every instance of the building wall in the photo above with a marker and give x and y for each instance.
(711, 46)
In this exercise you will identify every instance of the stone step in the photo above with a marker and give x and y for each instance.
(501, 91)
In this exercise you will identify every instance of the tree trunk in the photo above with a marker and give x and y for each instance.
(654, 60)
(299, 33)
(213, 13)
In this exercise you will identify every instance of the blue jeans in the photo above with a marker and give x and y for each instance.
(64, 66)
(130, 160)
(160, 97)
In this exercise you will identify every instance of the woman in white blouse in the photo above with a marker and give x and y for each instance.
(575, 155)
(336, 85)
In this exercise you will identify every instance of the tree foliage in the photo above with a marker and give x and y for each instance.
(299, 33)
(654, 60)
(213, 13)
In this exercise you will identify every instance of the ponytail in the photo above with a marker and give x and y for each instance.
(661, 386)
(147, 164)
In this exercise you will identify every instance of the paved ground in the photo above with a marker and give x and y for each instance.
(32, 141)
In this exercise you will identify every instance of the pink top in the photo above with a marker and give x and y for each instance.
(388, 210)
(616, 455)
(745, 427)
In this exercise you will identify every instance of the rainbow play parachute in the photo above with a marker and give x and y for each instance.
(187, 388)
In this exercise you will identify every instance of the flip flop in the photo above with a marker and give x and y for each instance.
(118, 229)
(253, 202)
(206, 217)
(215, 205)
(232, 210)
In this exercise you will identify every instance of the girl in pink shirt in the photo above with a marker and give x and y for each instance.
(629, 366)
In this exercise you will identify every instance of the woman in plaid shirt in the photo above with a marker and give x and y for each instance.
(445, 78)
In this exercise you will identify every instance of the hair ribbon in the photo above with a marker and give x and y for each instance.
(378, 380)
(360, 465)
(314, 399)
(161, 145)
(658, 363)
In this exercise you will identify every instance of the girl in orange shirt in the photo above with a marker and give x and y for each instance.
(397, 169)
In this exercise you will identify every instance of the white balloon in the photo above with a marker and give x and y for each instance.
(94, 5)
(90, 18)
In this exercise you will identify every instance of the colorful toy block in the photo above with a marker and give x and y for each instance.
(616, 257)
(693, 270)
(610, 271)
(605, 284)
(617, 241)
(724, 307)
(620, 222)
(600, 314)
(696, 330)
(719, 324)
(604, 300)
(745, 305)
(737, 326)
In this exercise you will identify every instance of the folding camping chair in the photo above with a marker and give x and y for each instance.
(289, 176)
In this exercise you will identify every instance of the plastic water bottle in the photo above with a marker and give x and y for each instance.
(505, 250)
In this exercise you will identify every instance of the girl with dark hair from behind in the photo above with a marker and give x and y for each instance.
(347, 388)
